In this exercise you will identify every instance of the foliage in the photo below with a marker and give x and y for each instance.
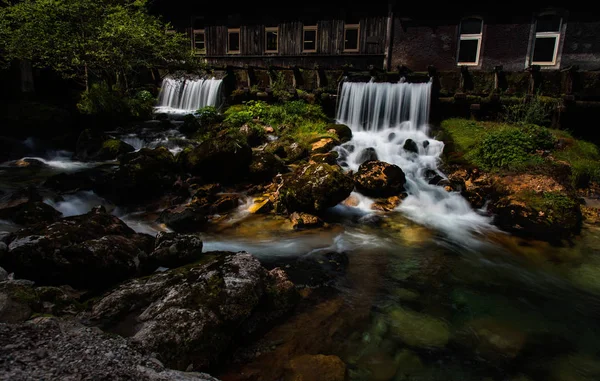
(584, 158)
(279, 87)
(537, 111)
(111, 103)
(85, 39)
(557, 207)
(4, 37)
(505, 148)
(208, 115)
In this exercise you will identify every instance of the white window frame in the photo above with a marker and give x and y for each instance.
(194, 49)
(271, 29)
(556, 36)
(470, 37)
(352, 27)
(238, 31)
(314, 28)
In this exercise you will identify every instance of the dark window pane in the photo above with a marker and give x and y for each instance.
(351, 42)
(467, 51)
(548, 23)
(310, 37)
(199, 41)
(272, 40)
(470, 26)
(234, 41)
(544, 49)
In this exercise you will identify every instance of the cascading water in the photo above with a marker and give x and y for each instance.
(180, 96)
(383, 116)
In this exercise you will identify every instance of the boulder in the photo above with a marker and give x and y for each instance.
(343, 132)
(261, 205)
(305, 221)
(190, 316)
(411, 146)
(314, 187)
(314, 270)
(29, 163)
(173, 250)
(417, 329)
(3, 273)
(325, 158)
(112, 149)
(87, 179)
(255, 135)
(50, 348)
(316, 367)
(93, 250)
(89, 143)
(18, 300)
(264, 166)
(388, 204)
(368, 154)
(185, 218)
(288, 150)
(25, 207)
(224, 159)
(323, 145)
(379, 179)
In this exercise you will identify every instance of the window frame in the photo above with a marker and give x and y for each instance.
(194, 48)
(271, 29)
(306, 28)
(239, 32)
(352, 27)
(470, 37)
(556, 35)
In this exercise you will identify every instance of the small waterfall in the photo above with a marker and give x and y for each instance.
(178, 96)
(383, 116)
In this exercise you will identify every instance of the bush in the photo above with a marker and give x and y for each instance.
(505, 148)
(112, 104)
(208, 115)
(536, 111)
(541, 137)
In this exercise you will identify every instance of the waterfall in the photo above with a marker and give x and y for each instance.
(383, 116)
(180, 96)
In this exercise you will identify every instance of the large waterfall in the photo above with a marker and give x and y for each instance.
(180, 96)
(383, 116)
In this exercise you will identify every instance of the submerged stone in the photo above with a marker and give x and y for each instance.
(417, 329)
(316, 367)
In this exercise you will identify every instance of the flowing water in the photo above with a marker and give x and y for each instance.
(431, 292)
(184, 96)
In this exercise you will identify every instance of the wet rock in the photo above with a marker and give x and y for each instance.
(18, 300)
(173, 250)
(387, 205)
(25, 208)
(325, 158)
(185, 218)
(112, 149)
(191, 315)
(89, 143)
(80, 180)
(343, 132)
(315, 187)
(93, 250)
(224, 159)
(426, 143)
(351, 201)
(50, 348)
(391, 136)
(368, 154)
(323, 145)
(305, 221)
(418, 330)
(265, 166)
(288, 150)
(315, 270)
(379, 179)
(225, 204)
(435, 180)
(261, 206)
(59, 301)
(3, 273)
(492, 340)
(410, 146)
(255, 136)
(316, 367)
(29, 163)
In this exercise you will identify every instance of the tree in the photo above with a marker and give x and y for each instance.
(108, 40)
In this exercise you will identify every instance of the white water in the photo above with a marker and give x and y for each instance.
(382, 117)
(170, 139)
(181, 96)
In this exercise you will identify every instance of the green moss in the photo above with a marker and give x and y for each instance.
(25, 294)
(112, 145)
(557, 208)
(584, 158)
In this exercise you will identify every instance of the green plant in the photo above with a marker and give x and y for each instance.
(279, 87)
(208, 115)
(537, 110)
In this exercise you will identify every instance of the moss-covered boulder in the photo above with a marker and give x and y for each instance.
(264, 166)
(185, 218)
(191, 315)
(112, 148)
(323, 145)
(379, 179)
(343, 132)
(288, 150)
(326, 158)
(417, 329)
(18, 301)
(224, 159)
(305, 221)
(549, 216)
(173, 250)
(314, 187)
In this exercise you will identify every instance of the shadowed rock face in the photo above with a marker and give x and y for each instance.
(191, 315)
(48, 348)
(379, 179)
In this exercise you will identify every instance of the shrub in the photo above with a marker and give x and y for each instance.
(208, 115)
(536, 111)
(541, 137)
(111, 103)
(505, 148)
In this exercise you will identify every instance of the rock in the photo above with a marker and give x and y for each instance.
(3, 273)
(379, 179)
(315, 187)
(418, 330)
(305, 221)
(351, 201)
(425, 143)
(51, 348)
(255, 136)
(288, 150)
(225, 204)
(184, 218)
(93, 250)
(492, 340)
(343, 132)
(25, 208)
(314, 270)
(261, 205)
(59, 301)
(435, 180)
(368, 154)
(141, 176)
(190, 315)
(81, 180)
(326, 158)
(265, 166)
(323, 145)
(224, 159)
(112, 149)
(173, 250)
(410, 146)
(391, 136)
(29, 163)
(89, 143)
(387, 205)
(316, 367)
(17, 301)
(382, 367)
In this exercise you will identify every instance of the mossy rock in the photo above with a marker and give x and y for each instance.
(288, 150)
(18, 301)
(265, 166)
(379, 179)
(343, 132)
(112, 149)
(417, 329)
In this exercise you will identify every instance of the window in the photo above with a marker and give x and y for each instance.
(233, 41)
(199, 43)
(351, 33)
(271, 39)
(469, 45)
(547, 36)
(309, 39)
